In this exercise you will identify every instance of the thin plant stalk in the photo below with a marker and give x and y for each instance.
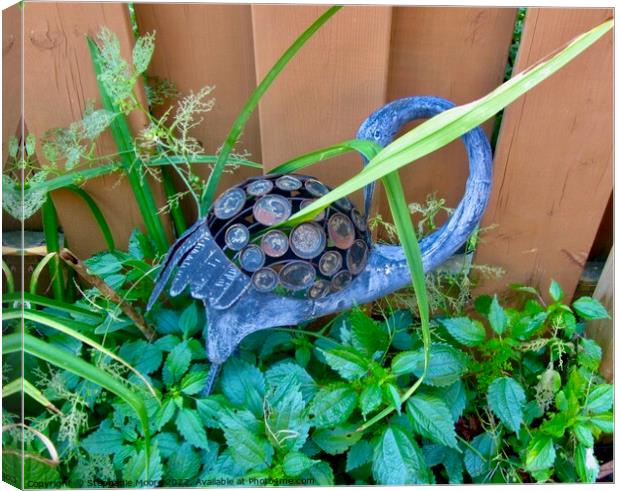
(97, 215)
(50, 231)
(36, 273)
(180, 225)
(8, 275)
(250, 105)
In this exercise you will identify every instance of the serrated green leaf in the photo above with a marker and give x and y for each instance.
(600, 399)
(446, 366)
(190, 427)
(393, 396)
(144, 357)
(506, 399)
(540, 453)
(526, 326)
(188, 322)
(176, 364)
(453, 396)
(296, 463)
(555, 291)
(333, 405)
(367, 336)
(135, 468)
(453, 463)
(248, 449)
(398, 460)
(465, 330)
(589, 354)
(167, 443)
(556, 425)
(358, 455)
(431, 419)
(347, 362)
(603, 421)
(321, 474)
(288, 418)
(336, 440)
(497, 317)
(583, 435)
(104, 441)
(370, 399)
(164, 413)
(194, 382)
(243, 384)
(210, 408)
(589, 308)
(478, 462)
(183, 464)
(586, 464)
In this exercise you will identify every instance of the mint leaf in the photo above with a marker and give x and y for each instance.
(336, 440)
(190, 427)
(248, 449)
(367, 336)
(176, 364)
(288, 417)
(333, 405)
(453, 396)
(478, 462)
(393, 396)
(507, 400)
(360, 454)
(528, 325)
(600, 399)
(555, 291)
(589, 354)
(104, 441)
(446, 364)
(347, 362)
(183, 464)
(589, 308)
(464, 330)
(603, 421)
(194, 382)
(398, 460)
(431, 418)
(243, 384)
(497, 317)
(583, 435)
(586, 464)
(135, 468)
(370, 399)
(164, 413)
(144, 357)
(296, 463)
(540, 453)
(167, 443)
(188, 322)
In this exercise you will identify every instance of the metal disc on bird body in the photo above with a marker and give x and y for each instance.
(274, 243)
(252, 258)
(272, 209)
(237, 237)
(288, 183)
(229, 204)
(314, 258)
(259, 187)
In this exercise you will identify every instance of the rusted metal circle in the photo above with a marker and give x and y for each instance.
(307, 240)
(330, 263)
(260, 187)
(316, 188)
(357, 257)
(341, 281)
(272, 209)
(319, 289)
(297, 275)
(265, 279)
(341, 230)
(288, 183)
(318, 218)
(274, 243)
(252, 258)
(359, 220)
(237, 237)
(229, 204)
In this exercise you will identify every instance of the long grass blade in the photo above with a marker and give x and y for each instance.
(124, 142)
(50, 231)
(200, 159)
(453, 123)
(180, 225)
(8, 275)
(41, 301)
(409, 241)
(20, 383)
(97, 215)
(250, 105)
(63, 359)
(36, 273)
(75, 177)
(63, 325)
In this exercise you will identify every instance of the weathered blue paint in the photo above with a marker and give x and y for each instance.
(234, 309)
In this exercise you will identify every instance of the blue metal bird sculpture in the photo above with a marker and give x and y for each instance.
(249, 280)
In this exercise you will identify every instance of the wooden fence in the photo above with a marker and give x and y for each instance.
(553, 162)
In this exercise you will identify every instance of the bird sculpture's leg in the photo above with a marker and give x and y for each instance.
(214, 369)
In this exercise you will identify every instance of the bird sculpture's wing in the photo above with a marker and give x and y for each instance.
(203, 266)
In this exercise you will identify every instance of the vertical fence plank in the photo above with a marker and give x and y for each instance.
(199, 45)
(59, 81)
(331, 86)
(553, 170)
(602, 330)
(459, 53)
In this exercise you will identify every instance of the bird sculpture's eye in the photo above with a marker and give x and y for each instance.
(315, 258)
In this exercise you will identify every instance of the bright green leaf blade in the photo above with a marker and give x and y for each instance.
(556, 292)
(590, 308)
(453, 123)
(540, 453)
(497, 317)
(465, 330)
(398, 460)
(431, 419)
(507, 400)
